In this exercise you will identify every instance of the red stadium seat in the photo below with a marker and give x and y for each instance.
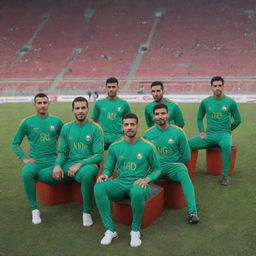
(153, 208)
(214, 163)
(191, 165)
(65, 192)
(173, 194)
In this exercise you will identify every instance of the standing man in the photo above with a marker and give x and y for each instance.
(42, 132)
(173, 148)
(80, 153)
(175, 113)
(133, 156)
(219, 110)
(108, 113)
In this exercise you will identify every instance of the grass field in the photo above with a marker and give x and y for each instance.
(228, 214)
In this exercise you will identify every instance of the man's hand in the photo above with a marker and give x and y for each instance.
(28, 160)
(102, 178)
(57, 173)
(73, 169)
(142, 182)
(202, 135)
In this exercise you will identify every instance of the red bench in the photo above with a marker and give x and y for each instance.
(214, 163)
(65, 192)
(153, 208)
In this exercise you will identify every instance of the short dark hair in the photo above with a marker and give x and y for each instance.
(157, 83)
(79, 99)
(40, 95)
(111, 80)
(217, 78)
(131, 116)
(158, 106)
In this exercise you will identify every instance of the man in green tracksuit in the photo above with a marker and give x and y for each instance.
(79, 154)
(172, 146)
(42, 132)
(108, 112)
(133, 156)
(219, 110)
(175, 113)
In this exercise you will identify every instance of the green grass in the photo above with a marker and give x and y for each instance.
(227, 213)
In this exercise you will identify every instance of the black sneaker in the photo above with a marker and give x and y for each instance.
(193, 218)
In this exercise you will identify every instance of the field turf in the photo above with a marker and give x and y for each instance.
(227, 214)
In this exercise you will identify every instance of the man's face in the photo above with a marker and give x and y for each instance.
(157, 93)
(80, 111)
(112, 89)
(41, 104)
(130, 127)
(161, 116)
(217, 88)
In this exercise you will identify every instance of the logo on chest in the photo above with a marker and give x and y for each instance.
(52, 128)
(139, 156)
(170, 141)
(88, 137)
(224, 108)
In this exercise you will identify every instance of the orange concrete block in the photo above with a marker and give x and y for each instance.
(191, 165)
(214, 163)
(153, 208)
(76, 192)
(54, 194)
(173, 194)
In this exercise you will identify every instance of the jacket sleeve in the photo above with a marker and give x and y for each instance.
(148, 118)
(235, 115)
(154, 164)
(178, 117)
(98, 150)
(17, 140)
(110, 163)
(184, 148)
(200, 116)
(63, 148)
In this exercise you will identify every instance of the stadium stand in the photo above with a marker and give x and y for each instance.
(77, 45)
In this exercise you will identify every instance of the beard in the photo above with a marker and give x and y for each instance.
(112, 94)
(80, 117)
(131, 134)
(161, 122)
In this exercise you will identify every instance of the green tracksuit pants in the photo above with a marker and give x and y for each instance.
(86, 176)
(178, 172)
(222, 140)
(32, 173)
(117, 190)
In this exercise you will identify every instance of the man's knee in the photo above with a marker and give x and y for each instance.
(137, 193)
(99, 189)
(29, 170)
(225, 147)
(182, 174)
(193, 142)
(88, 173)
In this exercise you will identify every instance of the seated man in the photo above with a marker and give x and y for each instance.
(80, 153)
(42, 132)
(133, 156)
(172, 146)
(219, 110)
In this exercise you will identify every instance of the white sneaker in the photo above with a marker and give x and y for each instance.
(36, 219)
(87, 219)
(108, 237)
(135, 239)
